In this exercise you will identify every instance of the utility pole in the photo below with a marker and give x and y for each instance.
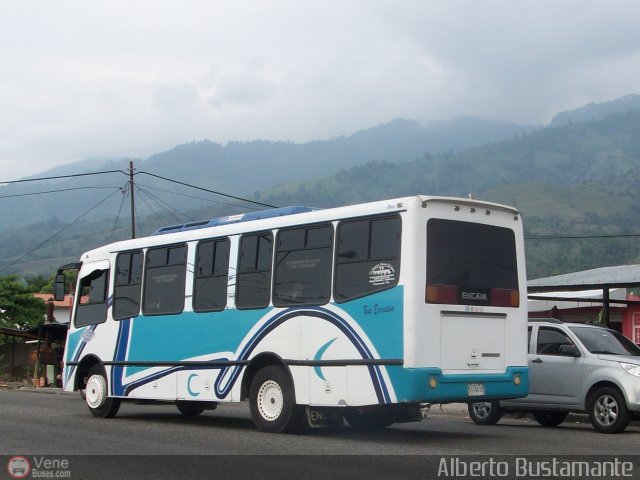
(133, 203)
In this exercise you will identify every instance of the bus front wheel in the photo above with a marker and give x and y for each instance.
(99, 403)
(272, 401)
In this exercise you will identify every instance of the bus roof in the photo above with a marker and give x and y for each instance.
(244, 217)
(238, 224)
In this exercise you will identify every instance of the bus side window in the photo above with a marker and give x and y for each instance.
(253, 288)
(126, 293)
(368, 257)
(211, 275)
(92, 304)
(303, 266)
(164, 280)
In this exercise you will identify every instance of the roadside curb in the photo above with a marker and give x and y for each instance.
(47, 390)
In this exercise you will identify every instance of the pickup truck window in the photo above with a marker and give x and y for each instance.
(602, 340)
(550, 340)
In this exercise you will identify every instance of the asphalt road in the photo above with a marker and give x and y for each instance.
(150, 441)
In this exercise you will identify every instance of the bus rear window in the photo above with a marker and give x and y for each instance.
(471, 264)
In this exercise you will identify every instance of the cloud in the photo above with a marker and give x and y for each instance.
(238, 88)
(115, 78)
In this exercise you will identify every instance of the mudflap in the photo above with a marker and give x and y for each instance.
(321, 417)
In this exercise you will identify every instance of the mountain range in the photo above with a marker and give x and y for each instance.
(577, 175)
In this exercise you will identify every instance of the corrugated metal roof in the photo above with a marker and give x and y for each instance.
(612, 277)
(574, 299)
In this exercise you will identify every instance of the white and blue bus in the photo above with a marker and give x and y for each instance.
(366, 313)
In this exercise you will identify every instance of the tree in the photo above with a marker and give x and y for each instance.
(38, 283)
(18, 307)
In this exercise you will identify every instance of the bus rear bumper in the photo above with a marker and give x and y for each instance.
(431, 385)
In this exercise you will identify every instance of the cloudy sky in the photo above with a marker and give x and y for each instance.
(107, 78)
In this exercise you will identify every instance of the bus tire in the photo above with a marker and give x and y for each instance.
(96, 394)
(368, 420)
(550, 419)
(190, 409)
(272, 401)
(485, 413)
(608, 411)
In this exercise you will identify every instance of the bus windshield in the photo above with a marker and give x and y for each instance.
(471, 264)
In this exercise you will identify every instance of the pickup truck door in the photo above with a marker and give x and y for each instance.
(555, 376)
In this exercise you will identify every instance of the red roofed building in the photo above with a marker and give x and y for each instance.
(61, 310)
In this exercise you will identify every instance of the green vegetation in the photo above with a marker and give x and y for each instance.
(577, 180)
(18, 308)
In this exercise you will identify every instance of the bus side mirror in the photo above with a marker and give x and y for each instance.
(58, 287)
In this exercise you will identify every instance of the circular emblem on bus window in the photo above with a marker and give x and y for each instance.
(382, 274)
(18, 467)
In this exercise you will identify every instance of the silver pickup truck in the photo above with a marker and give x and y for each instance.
(574, 368)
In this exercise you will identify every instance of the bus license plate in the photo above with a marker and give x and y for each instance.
(475, 389)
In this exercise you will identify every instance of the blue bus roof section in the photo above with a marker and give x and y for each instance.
(244, 217)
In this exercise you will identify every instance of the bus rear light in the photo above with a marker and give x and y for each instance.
(503, 297)
(442, 294)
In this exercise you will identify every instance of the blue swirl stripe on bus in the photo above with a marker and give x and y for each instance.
(318, 356)
(229, 374)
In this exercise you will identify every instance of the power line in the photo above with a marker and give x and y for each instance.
(54, 191)
(57, 177)
(58, 232)
(115, 224)
(217, 202)
(62, 176)
(207, 190)
(580, 237)
(174, 211)
(143, 193)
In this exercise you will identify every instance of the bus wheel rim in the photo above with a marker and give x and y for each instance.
(270, 400)
(95, 391)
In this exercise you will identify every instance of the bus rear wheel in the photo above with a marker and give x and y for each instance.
(272, 401)
(96, 394)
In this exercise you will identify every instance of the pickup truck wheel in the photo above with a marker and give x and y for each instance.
(485, 413)
(550, 419)
(608, 411)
